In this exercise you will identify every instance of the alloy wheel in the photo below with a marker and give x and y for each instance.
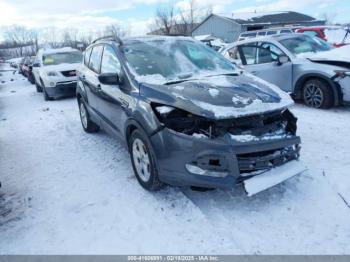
(141, 160)
(313, 95)
(83, 115)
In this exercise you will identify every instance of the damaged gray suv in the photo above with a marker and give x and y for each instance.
(187, 115)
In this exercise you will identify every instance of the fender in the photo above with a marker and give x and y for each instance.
(128, 128)
(335, 88)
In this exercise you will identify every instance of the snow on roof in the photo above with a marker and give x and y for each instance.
(204, 37)
(268, 17)
(250, 15)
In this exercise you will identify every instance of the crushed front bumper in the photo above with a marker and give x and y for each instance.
(235, 161)
(345, 89)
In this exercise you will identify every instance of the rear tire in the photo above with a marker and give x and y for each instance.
(88, 125)
(318, 94)
(144, 161)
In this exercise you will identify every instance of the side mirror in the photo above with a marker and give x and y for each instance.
(36, 65)
(282, 59)
(109, 79)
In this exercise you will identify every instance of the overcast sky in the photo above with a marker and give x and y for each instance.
(136, 14)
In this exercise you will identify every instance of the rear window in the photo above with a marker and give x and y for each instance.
(284, 31)
(272, 33)
(248, 35)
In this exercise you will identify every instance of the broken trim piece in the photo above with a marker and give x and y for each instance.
(273, 177)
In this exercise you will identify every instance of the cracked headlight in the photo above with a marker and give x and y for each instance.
(183, 122)
(342, 73)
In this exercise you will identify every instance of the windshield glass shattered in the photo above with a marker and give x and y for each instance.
(162, 60)
(305, 44)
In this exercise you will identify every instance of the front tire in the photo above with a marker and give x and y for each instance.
(39, 89)
(143, 162)
(318, 94)
(46, 96)
(88, 125)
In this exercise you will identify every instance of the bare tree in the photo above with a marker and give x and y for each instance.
(165, 19)
(328, 18)
(190, 16)
(180, 21)
(25, 40)
(115, 30)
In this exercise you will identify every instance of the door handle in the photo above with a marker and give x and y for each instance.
(254, 72)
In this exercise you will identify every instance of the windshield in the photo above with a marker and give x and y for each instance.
(164, 60)
(305, 44)
(62, 58)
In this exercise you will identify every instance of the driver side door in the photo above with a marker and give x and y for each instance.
(112, 100)
(261, 59)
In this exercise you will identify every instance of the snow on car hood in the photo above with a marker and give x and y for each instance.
(220, 97)
(337, 54)
(62, 67)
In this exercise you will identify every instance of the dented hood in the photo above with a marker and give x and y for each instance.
(341, 54)
(220, 97)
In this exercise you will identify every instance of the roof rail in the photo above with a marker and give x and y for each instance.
(109, 37)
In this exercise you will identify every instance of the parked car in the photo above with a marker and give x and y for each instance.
(20, 65)
(188, 116)
(27, 68)
(55, 72)
(211, 41)
(306, 67)
(335, 35)
(265, 32)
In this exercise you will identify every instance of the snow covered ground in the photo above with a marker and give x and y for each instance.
(68, 192)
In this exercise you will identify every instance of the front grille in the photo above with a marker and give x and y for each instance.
(66, 86)
(69, 73)
(267, 159)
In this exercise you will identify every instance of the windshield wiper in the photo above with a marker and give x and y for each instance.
(179, 81)
(225, 74)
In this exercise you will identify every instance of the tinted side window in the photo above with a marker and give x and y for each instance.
(285, 31)
(261, 33)
(110, 62)
(271, 32)
(87, 56)
(268, 53)
(95, 58)
(234, 53)
(311, 33)
(249, 52)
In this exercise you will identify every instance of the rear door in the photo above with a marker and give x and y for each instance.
(89, 75)
(260, 59)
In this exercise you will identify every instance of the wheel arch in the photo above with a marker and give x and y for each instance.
(130, 126)
(303, 79)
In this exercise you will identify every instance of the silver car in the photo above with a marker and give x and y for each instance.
(308, 68)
